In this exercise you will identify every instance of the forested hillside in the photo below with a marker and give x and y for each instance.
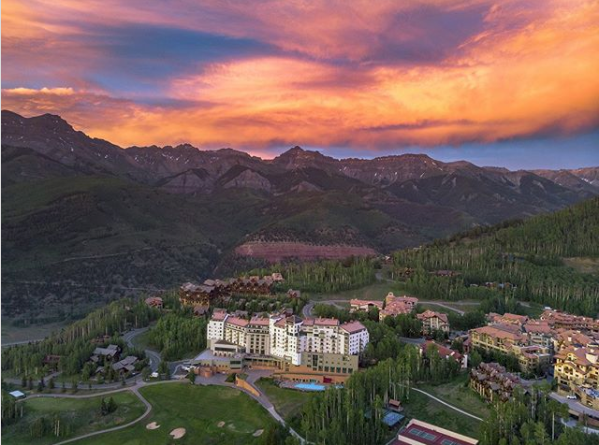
(520, 259)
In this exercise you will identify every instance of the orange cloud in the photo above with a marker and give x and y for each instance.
(528, 68)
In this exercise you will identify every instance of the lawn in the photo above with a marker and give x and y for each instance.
(198, 409)
(375, 291)
(287, 402)
(458, 394)
(426, 409)
(80, 416)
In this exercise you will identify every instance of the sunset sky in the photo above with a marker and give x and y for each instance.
(512, 83)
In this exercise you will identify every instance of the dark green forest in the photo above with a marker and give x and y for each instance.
(520, 259)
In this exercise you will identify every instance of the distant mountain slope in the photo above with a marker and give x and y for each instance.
(136, 213)
(524, 260)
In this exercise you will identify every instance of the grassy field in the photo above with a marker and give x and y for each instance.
(583, 264)
(456, 393)
(81, 416)
(287, 402)
(11, 333)
(426, 409)
(375, 291)
(198, 409)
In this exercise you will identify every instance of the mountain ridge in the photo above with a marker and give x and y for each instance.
(153, 217)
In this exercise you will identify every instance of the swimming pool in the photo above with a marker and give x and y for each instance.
(310, 386)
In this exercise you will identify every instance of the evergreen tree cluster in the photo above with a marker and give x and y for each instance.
(324, 276)
(521, 261)
(74, 343)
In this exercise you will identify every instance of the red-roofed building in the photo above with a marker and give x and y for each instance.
(433, 321)
(445, 353)
(395, 306)
(364, 305)
(421, 433)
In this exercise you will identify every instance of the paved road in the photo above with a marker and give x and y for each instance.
(152, 355)
(133, 389)
(575, 405)
(307, 310)
(451, 308)
(253, 376)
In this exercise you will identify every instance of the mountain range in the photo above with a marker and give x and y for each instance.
(84, 219)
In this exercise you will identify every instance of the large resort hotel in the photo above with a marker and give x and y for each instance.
(308, 350)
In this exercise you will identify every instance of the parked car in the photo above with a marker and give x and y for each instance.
(571, 397)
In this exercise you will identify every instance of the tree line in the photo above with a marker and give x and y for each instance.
(521, 261)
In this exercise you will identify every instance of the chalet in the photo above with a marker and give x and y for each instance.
(433, 321)
(197, 294)
(492, 382)
(395, 306)
(291, 293)
(125, 365)
(445, 353)
(52, 361)
(109, 353)
(364, 305)
(154, 302)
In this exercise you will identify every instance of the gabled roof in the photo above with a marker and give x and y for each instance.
(353, 327)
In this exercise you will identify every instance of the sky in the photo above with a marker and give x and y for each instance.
(506, 83)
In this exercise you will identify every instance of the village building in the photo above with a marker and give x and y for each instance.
(433, 321)
(558, 319)
(356, 305)
(507, 319)
(109, 353)
(493, 383)
(395, 306)
(154, 302)
(445, 353)
(509, 339)
(577, 369)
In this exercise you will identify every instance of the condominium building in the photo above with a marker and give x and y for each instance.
(509, 339)
(558, 319)
(577, 368)
(433, 321)
(288, 337)
(492, 382)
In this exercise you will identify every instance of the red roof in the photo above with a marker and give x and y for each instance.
(259, 321)
(427, 434)
(237, 321)
(353, 327)
(326, 322)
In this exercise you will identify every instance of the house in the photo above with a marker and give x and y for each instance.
(52, 361)
(507, 319)
(154, 302)
(433, 321)
(395, 306)
(417, 432)
(291, 293)
(357, 305)
(109, 353)
(394, 405)
(125, 365)
(445, 353)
